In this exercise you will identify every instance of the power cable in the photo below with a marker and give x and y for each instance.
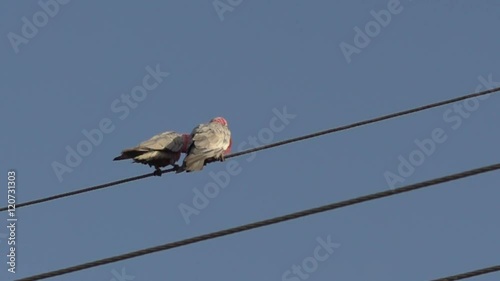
(317, 134)
(266, 222)
(470, 274)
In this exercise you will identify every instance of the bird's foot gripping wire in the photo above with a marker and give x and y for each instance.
(157, 172)
(179, 169)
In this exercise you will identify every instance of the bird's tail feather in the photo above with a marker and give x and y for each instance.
(194, 162)
(121, 157)
(130, 153)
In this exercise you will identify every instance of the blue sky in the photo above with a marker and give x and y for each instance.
(253, 60)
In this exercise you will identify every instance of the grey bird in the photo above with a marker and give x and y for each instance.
(159, 151)
(211, 141)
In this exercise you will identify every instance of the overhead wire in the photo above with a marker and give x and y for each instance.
(84, 190)
(317, 134)
(470, 274)
(266, 222)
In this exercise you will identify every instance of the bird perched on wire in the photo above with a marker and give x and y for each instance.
(159, 151)
(209, 142)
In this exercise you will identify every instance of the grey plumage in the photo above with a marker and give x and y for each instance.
(209, 141)
(159, 151)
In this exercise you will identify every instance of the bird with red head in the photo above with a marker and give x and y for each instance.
(210, 141)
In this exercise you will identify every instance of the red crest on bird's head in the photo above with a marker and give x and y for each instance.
(219, 120)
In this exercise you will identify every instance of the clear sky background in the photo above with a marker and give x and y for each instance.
(262, 55)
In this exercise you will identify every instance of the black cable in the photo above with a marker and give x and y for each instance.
(470, 274)
(267, 222)
(50, 198)
(342, 128)
(365, 122)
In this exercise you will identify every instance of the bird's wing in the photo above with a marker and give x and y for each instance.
(211, 137)
(167, 141)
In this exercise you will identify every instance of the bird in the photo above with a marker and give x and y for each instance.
(159, 151)
(209, 142)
